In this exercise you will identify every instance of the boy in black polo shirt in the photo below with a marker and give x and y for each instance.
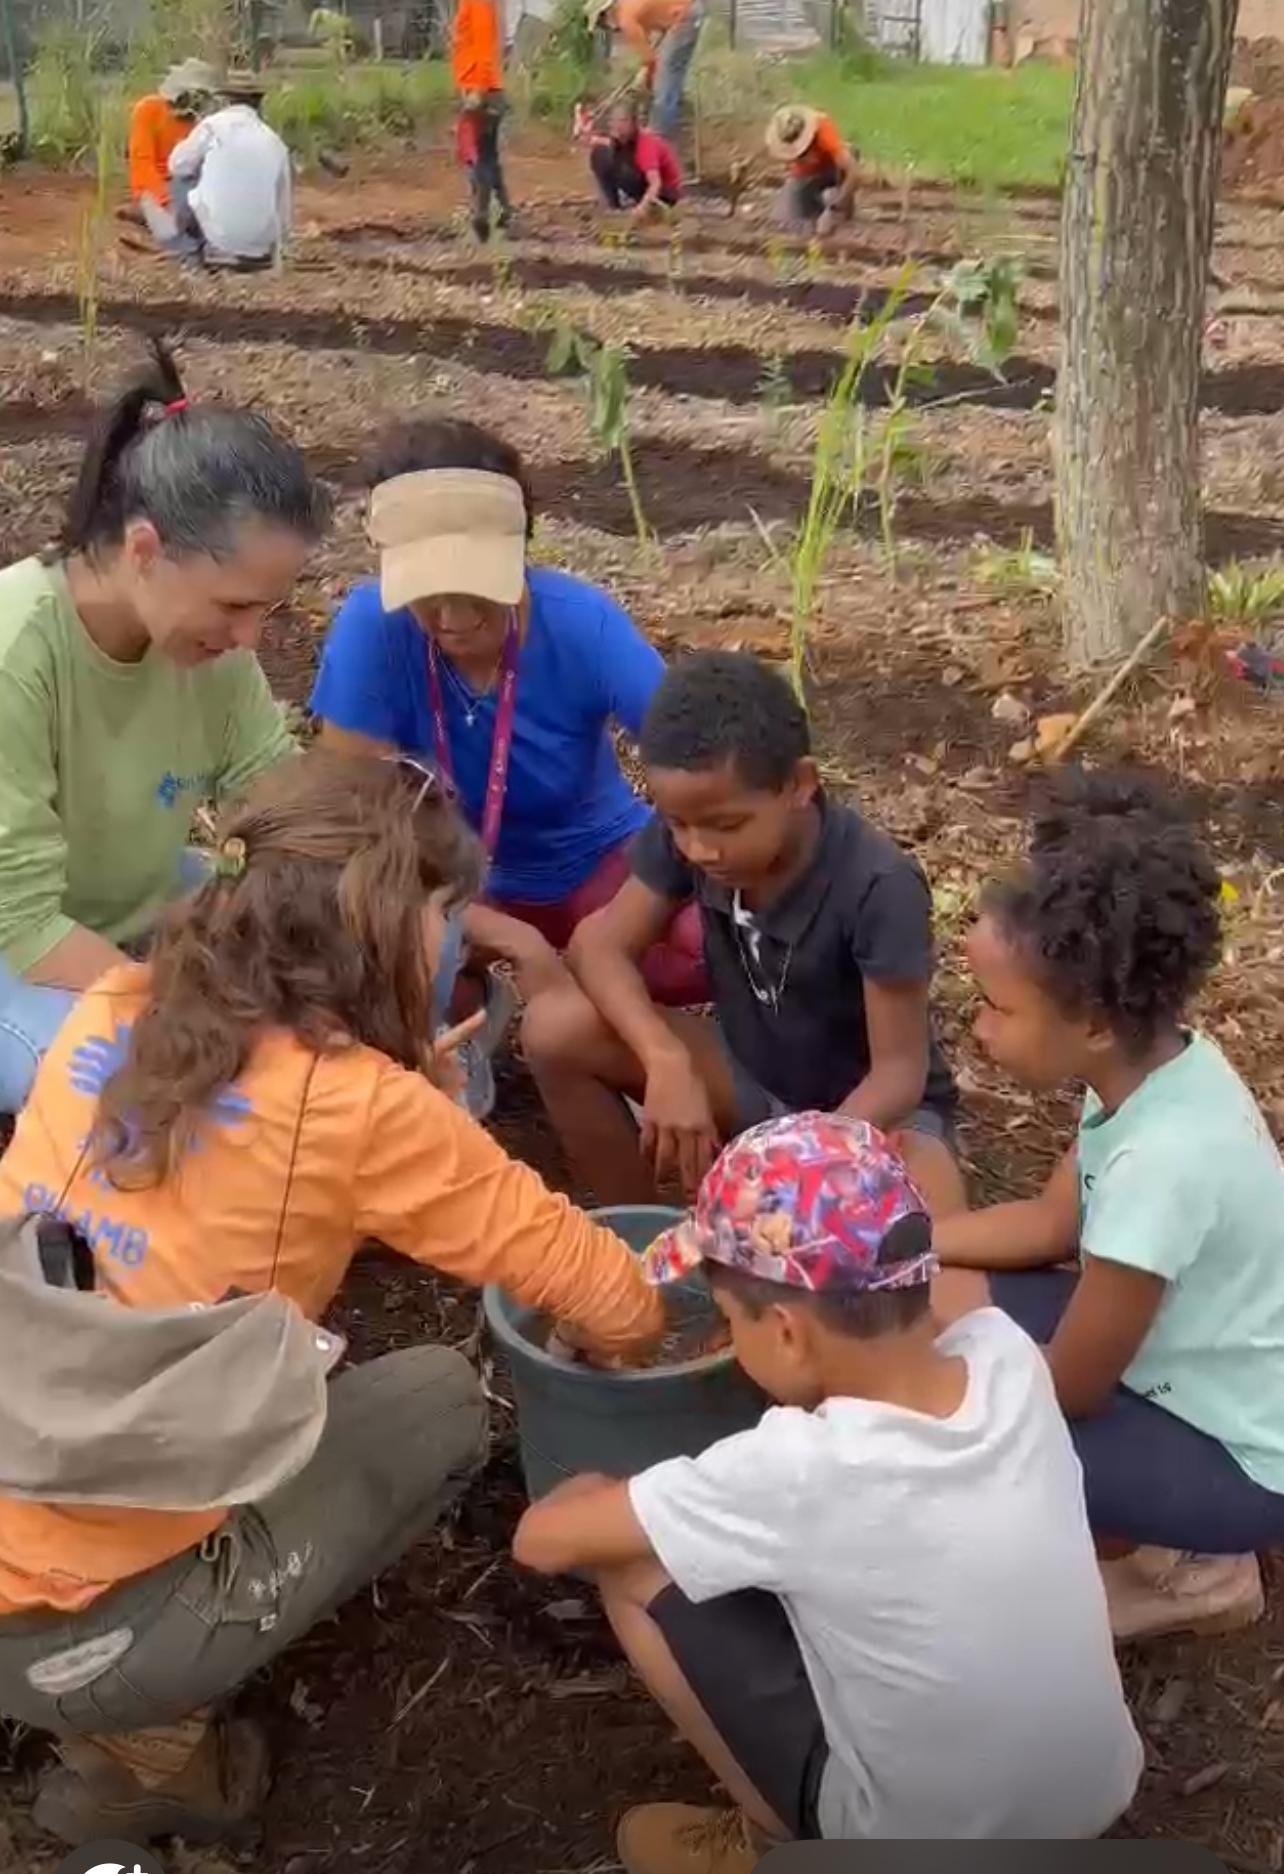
(818, 941)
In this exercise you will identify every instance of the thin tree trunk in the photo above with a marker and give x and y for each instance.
(1136, 231)
(13, 58)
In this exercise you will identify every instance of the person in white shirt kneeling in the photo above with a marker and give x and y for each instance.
(878, 1613)
(234, 174)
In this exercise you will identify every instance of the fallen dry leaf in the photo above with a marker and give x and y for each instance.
(1010, 710)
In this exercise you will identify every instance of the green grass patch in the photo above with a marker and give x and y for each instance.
(989, 128)
(345, 106)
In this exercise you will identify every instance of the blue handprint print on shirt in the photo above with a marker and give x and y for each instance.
(95, 1061)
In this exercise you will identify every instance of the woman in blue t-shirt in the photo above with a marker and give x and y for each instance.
(507, 678)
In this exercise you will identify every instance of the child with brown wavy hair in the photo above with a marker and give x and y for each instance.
(233, 1118)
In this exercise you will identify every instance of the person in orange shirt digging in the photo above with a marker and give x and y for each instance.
(183, 1491)
(663, 33)
(158, 123)
(822, 168)
(477, 65)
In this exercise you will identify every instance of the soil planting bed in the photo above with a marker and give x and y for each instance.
(465, 1718)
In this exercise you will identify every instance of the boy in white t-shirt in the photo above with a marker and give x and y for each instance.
(877, 1614)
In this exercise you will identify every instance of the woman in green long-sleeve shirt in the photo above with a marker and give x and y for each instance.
(129, 689)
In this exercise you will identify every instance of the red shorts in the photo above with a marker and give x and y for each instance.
(673, 969)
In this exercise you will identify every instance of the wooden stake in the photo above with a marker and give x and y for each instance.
(1075, 734)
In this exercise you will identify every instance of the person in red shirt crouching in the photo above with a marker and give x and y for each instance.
(635, 168)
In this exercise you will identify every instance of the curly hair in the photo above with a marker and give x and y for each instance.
(715, 707)
(312, 922)
(1116, 907)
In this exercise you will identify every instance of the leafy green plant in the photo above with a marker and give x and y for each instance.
(1242, 595)
(840, 463)
(63, 92)
(780, 258)
(675, 259)
(333, 109)
(562, 71)
(604, 366)
(1019, 569)
(979, 301)
(775, 386)
(329, 28)
(503, 271)
(976, 308)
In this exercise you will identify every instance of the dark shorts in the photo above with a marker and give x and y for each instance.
(1149, 1477)
(673, 969)
(755, 1103)
(740, 1658)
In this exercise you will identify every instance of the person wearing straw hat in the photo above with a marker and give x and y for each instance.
(663, 33)
(237, 172)
(822, 168)
(508, 677)
(158, 123)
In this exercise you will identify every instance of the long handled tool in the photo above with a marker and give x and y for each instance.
(586, 120)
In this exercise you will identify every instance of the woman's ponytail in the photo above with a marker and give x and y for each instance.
(93, 513)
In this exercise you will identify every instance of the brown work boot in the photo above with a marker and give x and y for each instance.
(1155, 1591)
(677, 1838)
(98, 1794)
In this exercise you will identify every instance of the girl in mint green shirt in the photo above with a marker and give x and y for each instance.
(1166, 1343)
(129, 689)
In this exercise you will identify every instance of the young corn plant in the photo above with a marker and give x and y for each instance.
(604, 368)
(775, 387)
(1022, 569)
(839, 468)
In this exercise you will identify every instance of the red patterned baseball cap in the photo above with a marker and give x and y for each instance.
(814, 1201)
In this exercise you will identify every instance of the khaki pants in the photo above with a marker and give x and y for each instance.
(403, 1435)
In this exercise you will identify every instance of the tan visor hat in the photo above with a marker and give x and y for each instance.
(442, 531)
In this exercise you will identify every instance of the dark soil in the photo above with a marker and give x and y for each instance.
(732, 372)
(820, 297)
(684, 487)
(578, 222)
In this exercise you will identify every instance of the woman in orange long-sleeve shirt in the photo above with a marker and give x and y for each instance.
(477, 55)
(234, 1118)
(158, 123)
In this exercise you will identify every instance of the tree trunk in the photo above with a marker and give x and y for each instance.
(1136, 231)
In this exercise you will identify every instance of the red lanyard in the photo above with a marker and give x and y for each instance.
(501, 744)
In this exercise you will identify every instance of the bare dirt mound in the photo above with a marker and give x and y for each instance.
(1258, 64)
(1253, 147)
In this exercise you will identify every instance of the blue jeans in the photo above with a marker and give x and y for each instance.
(677, 49)
(174, 229)
(31, 1015)
(1149, 1477)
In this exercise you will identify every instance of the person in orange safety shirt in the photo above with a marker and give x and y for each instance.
(663, 33)
(232, 1119)
(822, 168)
(158, 123)
(477, 52)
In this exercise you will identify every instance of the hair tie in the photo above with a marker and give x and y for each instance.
(229, 861)
(172, 409)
